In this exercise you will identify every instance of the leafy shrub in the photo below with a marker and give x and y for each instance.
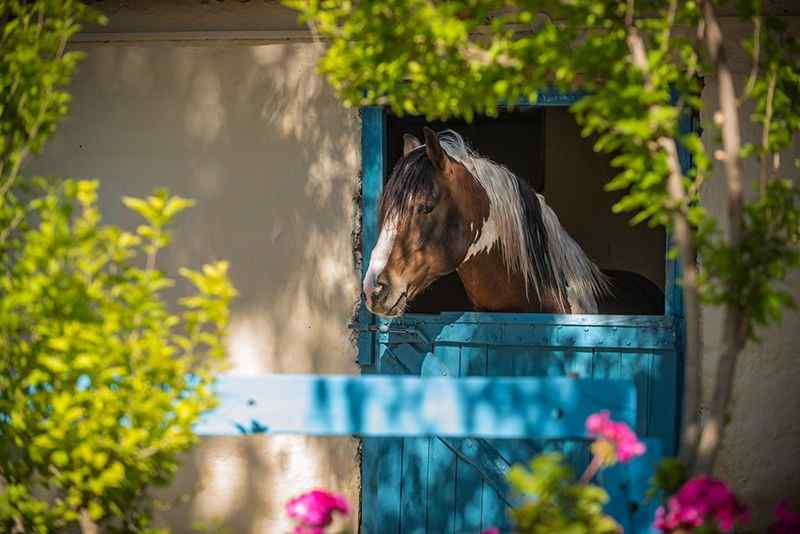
(100, 383)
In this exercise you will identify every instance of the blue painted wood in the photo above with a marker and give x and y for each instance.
(494, 502)
(494, 512)
(642, 351)
(469, 486)
(445, 361)
(510, 352)
(382, 466)
(441, 489)
(413, 495)
(540, 319)
(549, 97)
(373, 141)
(642, 510)
(664, 417)
(627, 486)
(333, 405)
(657, 335)
(371, 485)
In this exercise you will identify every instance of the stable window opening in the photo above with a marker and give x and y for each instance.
(545, 147)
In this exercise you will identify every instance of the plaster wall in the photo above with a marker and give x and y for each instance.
(259, 141)
(760, 451)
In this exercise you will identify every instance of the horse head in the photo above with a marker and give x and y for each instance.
(431, 213)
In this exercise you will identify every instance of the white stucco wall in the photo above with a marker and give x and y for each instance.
(259, 141)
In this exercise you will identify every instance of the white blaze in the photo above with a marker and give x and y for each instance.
(381, 253)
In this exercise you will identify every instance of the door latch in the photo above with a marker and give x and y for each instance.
(410, 331)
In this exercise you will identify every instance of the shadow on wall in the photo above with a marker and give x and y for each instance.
(759, 454)
(260, 142)
(228, 484)
(258, 139)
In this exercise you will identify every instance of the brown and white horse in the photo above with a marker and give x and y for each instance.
(445, 208)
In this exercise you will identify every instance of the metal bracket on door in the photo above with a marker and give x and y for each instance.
(418, 337)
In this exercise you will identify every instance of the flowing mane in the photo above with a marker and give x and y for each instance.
(532, 240)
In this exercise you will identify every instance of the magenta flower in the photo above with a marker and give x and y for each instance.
(626, 445)
(493, 530)
(314, 510)
(701, 500)
(787, 521)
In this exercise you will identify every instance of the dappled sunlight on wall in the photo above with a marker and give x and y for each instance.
(759, 453)
(258, 139)
(231, 482)
(272, 159)
(287, 109)
(205, 110)
(222, 476)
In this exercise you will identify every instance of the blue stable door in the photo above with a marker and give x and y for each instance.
(439, 485)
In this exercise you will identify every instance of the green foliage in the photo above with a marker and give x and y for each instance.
(462, 57)
(670, 475)
(553, 502)
(99, 382)
(767, 251)
(34, 70)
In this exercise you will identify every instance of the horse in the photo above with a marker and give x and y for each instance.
(446, 208)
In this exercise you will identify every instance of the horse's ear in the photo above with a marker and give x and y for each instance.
(434, 149)
(410, 143)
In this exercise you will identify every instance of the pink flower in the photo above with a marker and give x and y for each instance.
(624, 441)
(493, 530)
(700, 500)
(788, 522)
(314, 510)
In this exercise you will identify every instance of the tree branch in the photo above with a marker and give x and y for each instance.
(478, 55)
(735, 334)
(764, 178)
(731, 134)
(682, 235)
(693, 362)
(751, 79)
(735, 328)
(87, 524)
(25, 151)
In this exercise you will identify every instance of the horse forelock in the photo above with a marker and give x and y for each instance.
(412, 179)
(532, 240)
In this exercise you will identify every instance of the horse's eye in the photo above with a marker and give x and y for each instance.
(427, 208)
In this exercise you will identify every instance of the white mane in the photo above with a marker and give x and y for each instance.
(578, 276)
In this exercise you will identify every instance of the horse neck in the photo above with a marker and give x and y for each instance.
(489, 283)
(491, 287)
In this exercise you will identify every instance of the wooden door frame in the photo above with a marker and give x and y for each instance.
(370, 327)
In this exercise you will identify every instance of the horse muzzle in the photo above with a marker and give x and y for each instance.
(383, 298)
